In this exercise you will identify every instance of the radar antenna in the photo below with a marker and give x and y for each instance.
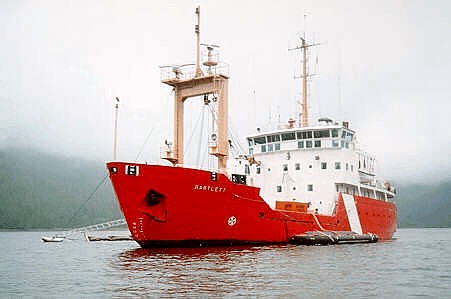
(176, 68)
(211, 58)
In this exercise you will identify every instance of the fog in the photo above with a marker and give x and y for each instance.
(383, 65)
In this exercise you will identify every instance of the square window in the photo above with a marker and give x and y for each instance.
(297, 166)
(317, 143)
(335, 143)
(337, 165)
(308, 144)
(258, 170)
(247, 169)
(279, 188)
(300, 144)
(334, 133)
(270, 147)
(309, 187)
(285, 167)
(323, 165)
(277, 146)
(263, 148)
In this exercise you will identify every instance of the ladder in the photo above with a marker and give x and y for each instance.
(99, 226)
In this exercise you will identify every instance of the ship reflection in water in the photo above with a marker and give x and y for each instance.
(250, 271)
(416, 264)
(413, 264)
(212, 271)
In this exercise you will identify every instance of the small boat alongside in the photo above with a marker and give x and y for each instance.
(52, 239)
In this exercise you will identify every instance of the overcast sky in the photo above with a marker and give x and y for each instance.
(63, 63)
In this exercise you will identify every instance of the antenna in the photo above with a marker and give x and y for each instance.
(197, 30)
(176, 68)
(303, 47)
(115, 129)
(211, 59)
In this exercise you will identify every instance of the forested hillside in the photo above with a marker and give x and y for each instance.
(39, 190)
(424, 205)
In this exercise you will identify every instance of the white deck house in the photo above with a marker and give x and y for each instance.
(311, 165)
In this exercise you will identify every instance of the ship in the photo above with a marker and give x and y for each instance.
(295, 179)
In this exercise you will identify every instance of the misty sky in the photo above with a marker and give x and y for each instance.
(63, 63)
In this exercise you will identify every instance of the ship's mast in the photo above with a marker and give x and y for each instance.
(194, 83)
(304, 118)
(304, 121)
(197, 30)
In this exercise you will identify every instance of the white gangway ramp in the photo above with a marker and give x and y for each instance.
(351, 211)
(100, 226)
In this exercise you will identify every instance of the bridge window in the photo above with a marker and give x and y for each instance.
(288, 136)
(301, 144)
(321, 134)
(263, 148)
(334, 133)
(270, 147)
(317, 143)
(273, 138)
(260, 140)
(304, 135)
(277, 146)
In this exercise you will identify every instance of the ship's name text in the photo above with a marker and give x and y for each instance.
(209, 188)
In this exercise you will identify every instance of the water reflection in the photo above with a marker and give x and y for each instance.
(216, 271)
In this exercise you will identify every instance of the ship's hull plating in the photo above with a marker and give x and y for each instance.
(174, 206)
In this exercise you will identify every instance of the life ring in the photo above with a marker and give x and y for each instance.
(231, 221)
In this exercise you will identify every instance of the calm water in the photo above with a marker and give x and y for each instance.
(417, 263)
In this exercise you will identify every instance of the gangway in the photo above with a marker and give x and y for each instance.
(99, 226)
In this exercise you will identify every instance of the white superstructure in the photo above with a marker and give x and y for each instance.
(311, 165)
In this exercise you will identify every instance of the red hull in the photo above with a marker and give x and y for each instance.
(173, 206)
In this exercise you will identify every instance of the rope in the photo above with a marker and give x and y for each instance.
(194, 130)
(317, 222)
(199, 150)
(145, 142)
(89, 198)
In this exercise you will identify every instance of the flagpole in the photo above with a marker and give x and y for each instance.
(115, 130)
